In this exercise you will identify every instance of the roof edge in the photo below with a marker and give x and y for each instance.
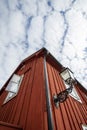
(35, 54)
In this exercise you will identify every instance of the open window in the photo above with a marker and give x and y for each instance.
(74, 93)
(13, 87)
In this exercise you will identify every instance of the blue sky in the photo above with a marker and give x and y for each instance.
(28, 25)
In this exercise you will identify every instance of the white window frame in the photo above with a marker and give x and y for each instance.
(84, 127)
(74, 93)
(12, 93)
(8, 97)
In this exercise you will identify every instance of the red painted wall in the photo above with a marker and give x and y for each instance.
(28, 109)
(71, 113)
(8, 126)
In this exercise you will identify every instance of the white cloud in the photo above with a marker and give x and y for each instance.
(15, 26)
(53, 32)
(81, 5)
(35, 32)
(42, 8)
(69, 50)
(77, 29)
(61, 4)
(26, 26)
(29, 7)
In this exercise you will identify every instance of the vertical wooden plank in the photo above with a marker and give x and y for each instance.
(59, 88)
(45, 121)
(34, 117)
(28, 92)
(22, 95)
(57, 116)
(18, 101)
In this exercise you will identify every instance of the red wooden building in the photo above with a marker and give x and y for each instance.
(26, 99)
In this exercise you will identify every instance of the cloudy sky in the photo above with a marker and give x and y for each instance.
(28, 25)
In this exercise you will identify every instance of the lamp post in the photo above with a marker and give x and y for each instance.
(68, 77)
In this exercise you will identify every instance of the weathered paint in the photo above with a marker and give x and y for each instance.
(28, 110)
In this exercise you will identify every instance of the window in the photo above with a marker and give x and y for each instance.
(14, 83)
(74, 93)
(9, 97)
(84, 127)
(13, 87)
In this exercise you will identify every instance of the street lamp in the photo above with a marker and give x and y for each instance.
(68, 77)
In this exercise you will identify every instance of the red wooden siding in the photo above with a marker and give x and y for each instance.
(71, 113)
(28, 109)
(7, 126)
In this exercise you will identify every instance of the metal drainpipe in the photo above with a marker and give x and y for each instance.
(48, 102)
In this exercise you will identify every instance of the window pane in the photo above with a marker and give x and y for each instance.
(16, 78)
(14, 83)
(65, 75)
(9, 97)
(10, 94)
(12, 87)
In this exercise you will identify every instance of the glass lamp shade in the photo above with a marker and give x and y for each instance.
(67, 75)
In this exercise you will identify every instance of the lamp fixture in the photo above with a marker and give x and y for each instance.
(68, 77)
